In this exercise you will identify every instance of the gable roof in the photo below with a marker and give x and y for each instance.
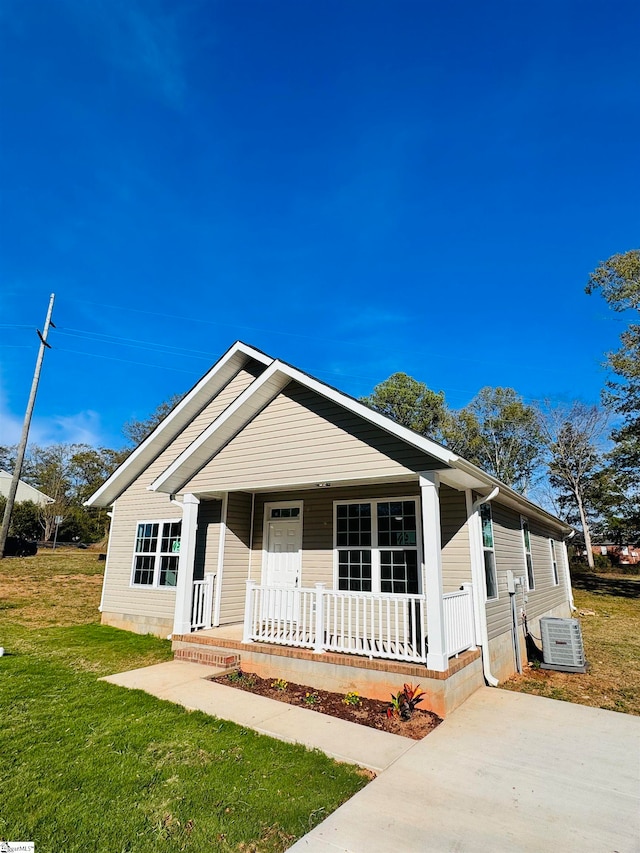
(454, 470)
(253, 399)
(233, 360)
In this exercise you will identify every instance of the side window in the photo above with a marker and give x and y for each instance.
(554, 562)
(526, 542)
(488, 551)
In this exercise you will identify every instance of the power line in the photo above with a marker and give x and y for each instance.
(128, 361)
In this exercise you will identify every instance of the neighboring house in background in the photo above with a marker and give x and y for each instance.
(25, 492)
(623, 555)
(274, 520)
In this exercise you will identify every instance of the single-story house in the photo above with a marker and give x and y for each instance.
(25, 492)
(271, 519)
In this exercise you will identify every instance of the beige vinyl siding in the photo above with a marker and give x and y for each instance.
(509, 552)
(207, 538)
(301, 437)
(138, 504)
(119, 595)
(546, 594)
(507, 540)
(456, 558)
(317, 525)
(236, 558)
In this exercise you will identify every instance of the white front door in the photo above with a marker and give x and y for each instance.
(282, 558)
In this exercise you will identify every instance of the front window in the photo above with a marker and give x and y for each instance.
(526, 541)
(156, 554)
(377, 546)
(488, 551)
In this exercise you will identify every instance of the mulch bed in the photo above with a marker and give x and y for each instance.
(369, 712)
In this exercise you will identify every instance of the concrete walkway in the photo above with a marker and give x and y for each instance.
(184, 683)
(505, 772)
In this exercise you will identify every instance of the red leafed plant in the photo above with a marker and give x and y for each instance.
(403, 704)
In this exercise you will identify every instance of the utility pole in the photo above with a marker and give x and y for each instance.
(6, 521)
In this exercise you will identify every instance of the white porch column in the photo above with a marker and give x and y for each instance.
(184, 589)
(437, 658)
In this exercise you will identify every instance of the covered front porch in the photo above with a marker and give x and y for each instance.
(354, 571)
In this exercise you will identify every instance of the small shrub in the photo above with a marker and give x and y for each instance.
(240, 677)
(352, 698)
(403, 704)
(235, 676)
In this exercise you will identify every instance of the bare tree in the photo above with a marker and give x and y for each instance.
(572, 435)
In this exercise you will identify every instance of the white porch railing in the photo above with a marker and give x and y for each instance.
(376, 625)
(202, 603)
(373, 625)
(459, 620)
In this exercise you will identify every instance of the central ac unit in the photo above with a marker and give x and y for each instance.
(562, 647)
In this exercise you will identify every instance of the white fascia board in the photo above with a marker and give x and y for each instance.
(261, 391)
(511, 497)
(205, 389)
(228, 423)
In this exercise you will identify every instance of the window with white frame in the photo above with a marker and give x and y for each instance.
(554, 562)
(526, 542)
(377, 546)
(156, 554)
(491, 580)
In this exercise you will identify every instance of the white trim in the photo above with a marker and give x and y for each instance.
(477, 567)
(459, 473)
(375, 548)
(220, 573)
(266, 518)
(484, 548)
(184, 590)
(437, 658)
(112, 516)
(555, 574)
(227, 366)
(173, 478)
(265, 388)
(567, 575)
(478, 574)
(156, 554)
(530, 587)
(252, 518)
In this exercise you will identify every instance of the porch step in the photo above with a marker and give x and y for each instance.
(205, 654)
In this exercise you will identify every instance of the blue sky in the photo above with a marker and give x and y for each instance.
(356, 187)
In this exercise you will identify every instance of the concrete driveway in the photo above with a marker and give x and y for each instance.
(505, 772)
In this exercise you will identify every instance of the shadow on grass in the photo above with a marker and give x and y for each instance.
(606, 585)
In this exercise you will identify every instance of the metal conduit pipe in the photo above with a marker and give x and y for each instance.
(479, 584)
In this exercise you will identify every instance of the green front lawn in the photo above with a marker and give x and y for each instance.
(86, 765)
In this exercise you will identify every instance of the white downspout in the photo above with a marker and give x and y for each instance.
(106, 564)
(567, 571)
(478, 579)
